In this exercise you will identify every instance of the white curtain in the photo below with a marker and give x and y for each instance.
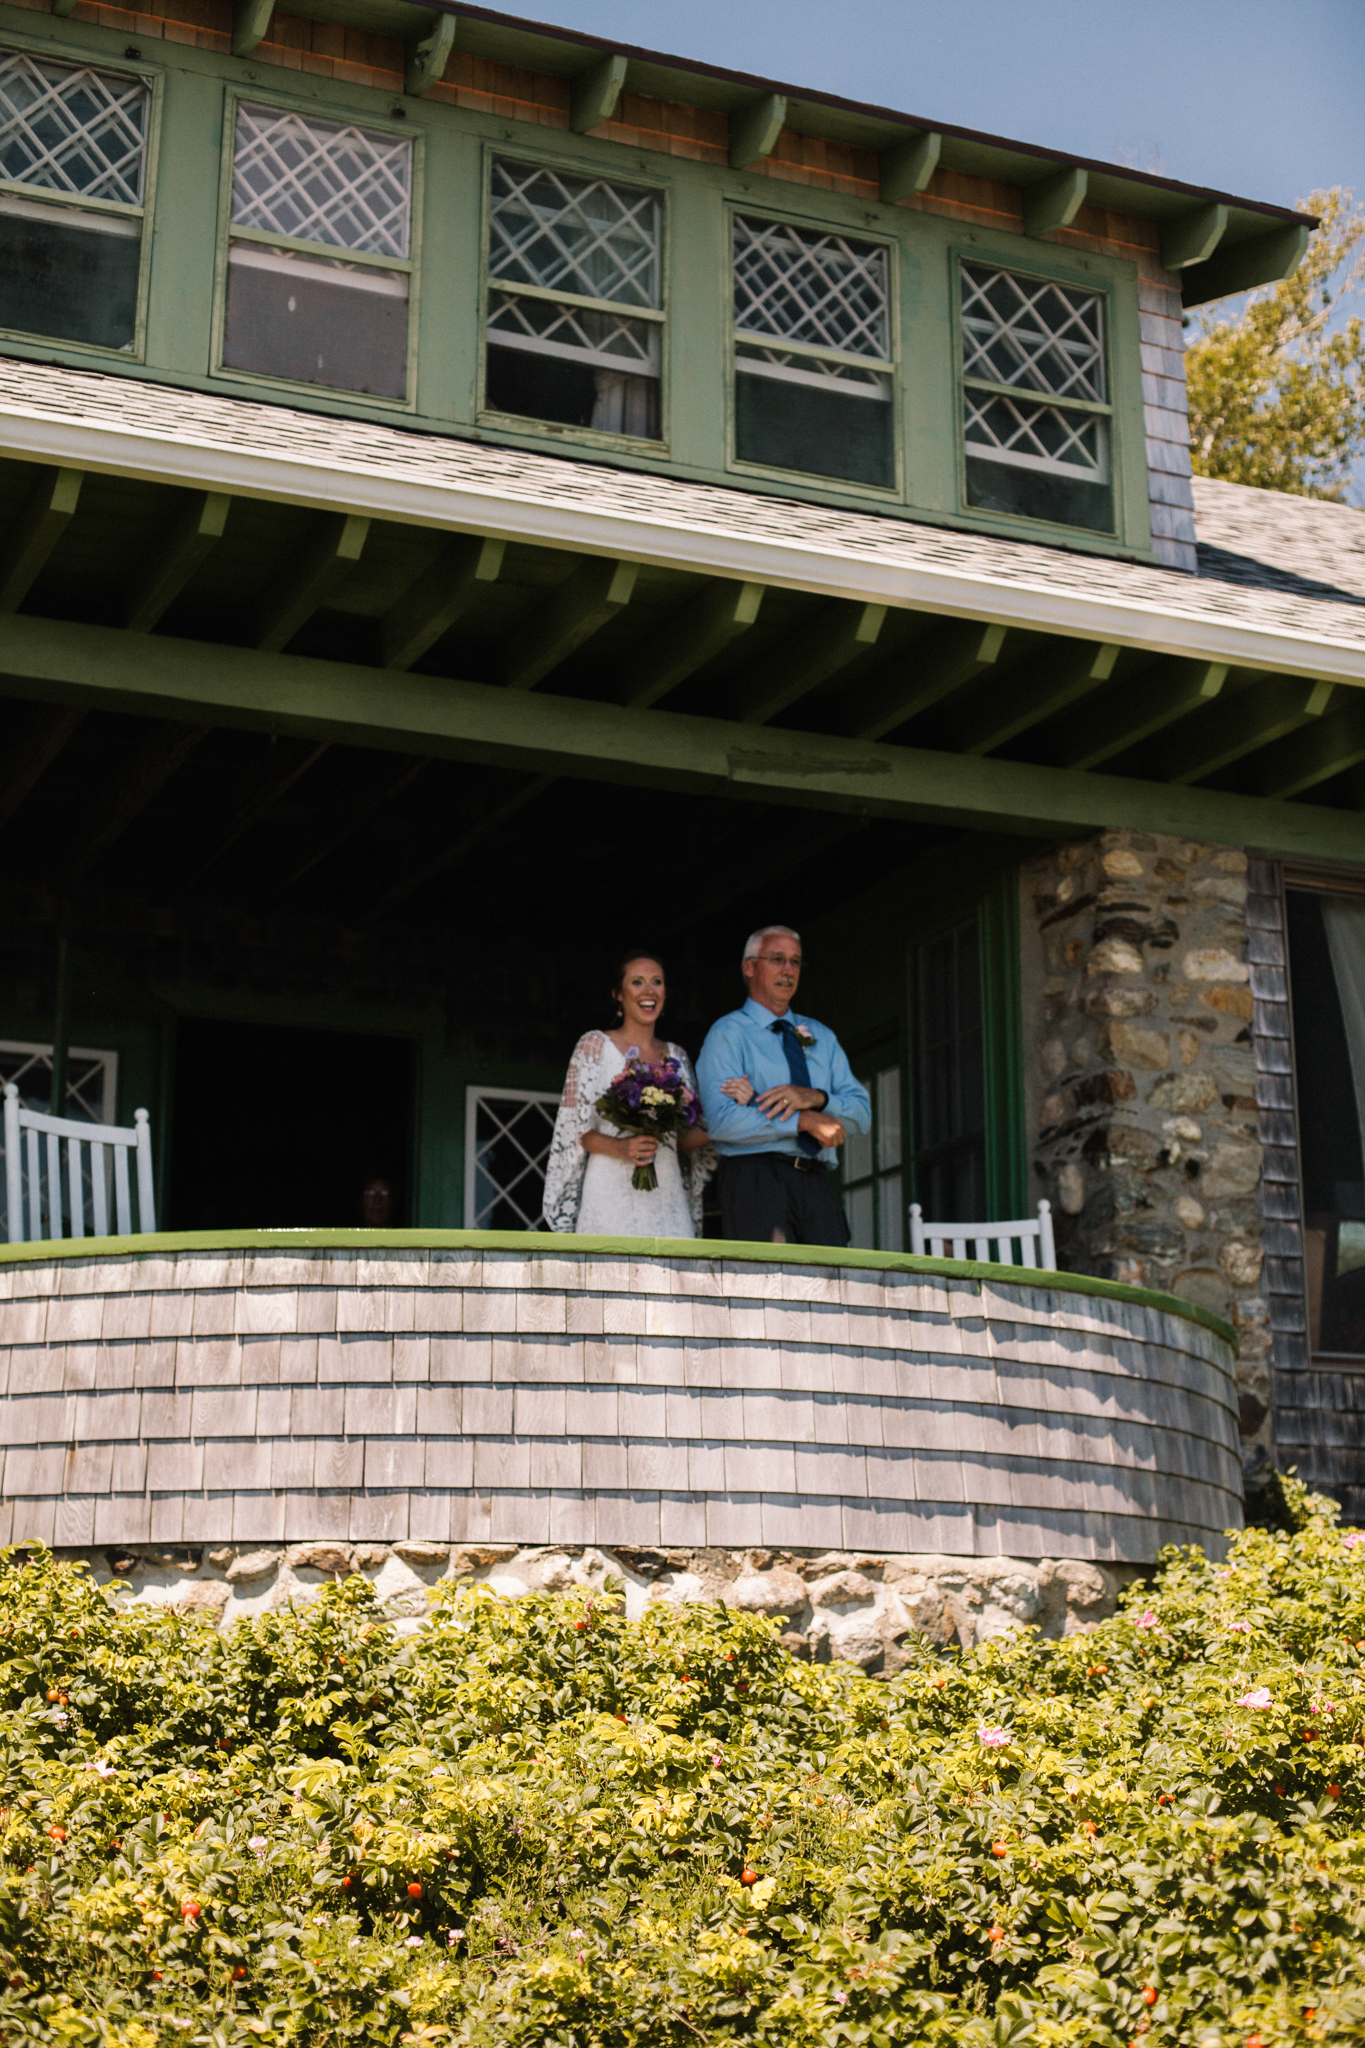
(1344, 918)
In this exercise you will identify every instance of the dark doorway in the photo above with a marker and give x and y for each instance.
(279, 1129)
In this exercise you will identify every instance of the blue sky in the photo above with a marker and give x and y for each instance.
(1263, 100)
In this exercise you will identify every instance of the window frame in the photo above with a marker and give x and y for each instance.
(411, 267)
(518, 423)
(154, 77)
(477, 1092)
(871, 1068)
(1117, 380)
(892, 369)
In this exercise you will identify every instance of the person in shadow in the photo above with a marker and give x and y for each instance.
(378, 1202)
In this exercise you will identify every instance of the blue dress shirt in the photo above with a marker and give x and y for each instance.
(745, 1043)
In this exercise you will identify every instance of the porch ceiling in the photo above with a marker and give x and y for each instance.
(216, 563)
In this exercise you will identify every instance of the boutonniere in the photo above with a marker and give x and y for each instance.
(805, 1039)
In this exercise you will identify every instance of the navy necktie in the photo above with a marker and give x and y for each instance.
(800, 1074)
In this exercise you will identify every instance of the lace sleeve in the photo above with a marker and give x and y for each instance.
(568, 1161)
(697, 1167)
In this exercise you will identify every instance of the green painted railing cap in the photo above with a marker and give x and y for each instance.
(543, 1244)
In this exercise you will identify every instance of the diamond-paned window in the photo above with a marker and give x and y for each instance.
(71, 130)
(320, 181)
(588, 236)
(825, 298)
(819, 289)
(574, 325)
(1047, 457)
(507, 1147)
(73, 161)
(302, 189)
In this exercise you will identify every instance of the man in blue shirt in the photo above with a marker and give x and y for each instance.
(778, 1146)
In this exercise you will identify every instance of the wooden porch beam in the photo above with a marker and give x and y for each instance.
(809, 655)
(1000, 709)
(1327, 747)
(175, 555)
(33, 755)
(1256, 717)
(250, 24)
(488, 820)
(431, 606)
(583, 603)
(1131, 712)
(46, 515)
(161, 755)
(255, 807)
(932, 666)
(754, 130)
(1053, 203)
(908, 167)
(152, 675)
(304, 585)
(427, 54)
(693, 634)
(736, 879)
(595, 92)
(356, 818)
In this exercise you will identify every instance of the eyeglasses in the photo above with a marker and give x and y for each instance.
(780, 959)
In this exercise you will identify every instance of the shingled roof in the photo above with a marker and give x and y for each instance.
(1270, 540)
(1280, 587)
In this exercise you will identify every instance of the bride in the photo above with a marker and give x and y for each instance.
(587, 1180)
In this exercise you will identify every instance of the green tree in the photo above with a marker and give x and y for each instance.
(1277, 393)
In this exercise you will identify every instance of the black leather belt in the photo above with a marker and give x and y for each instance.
(807, 1165)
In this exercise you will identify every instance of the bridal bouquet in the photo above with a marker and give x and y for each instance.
(649, 1102)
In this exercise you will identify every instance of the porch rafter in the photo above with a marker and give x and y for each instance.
(583, 737)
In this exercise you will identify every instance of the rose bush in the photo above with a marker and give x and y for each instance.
(538, 1823)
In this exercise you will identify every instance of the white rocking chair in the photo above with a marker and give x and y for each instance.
(1034, 1236)
(27, 1126)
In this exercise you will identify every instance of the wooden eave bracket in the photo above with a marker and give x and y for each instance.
(1264, 259)
(908, 167)
(428, 54)
(175, 555)
(305, 583)
(595, 93)
(46, 514)
(1192, 237)
(1055, 202)
(754, 130)
(250, 24)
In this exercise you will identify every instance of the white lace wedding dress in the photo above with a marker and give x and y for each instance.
(590, 1192)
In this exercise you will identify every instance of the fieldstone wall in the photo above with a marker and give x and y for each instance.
(1142, 1078)
(836, 1605)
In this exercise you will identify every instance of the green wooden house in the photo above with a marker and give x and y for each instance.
(472, 497)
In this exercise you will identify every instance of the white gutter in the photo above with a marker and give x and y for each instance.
(267, 452)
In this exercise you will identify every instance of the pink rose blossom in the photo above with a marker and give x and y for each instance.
(1237, 1628)
(1259, 1698)
(991, 1738)
(1147, 1620)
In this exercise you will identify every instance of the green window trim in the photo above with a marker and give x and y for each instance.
(332, 255)
(531, 426)
(1117, 472)
(992, 907)
(42, 49)
(761, 211)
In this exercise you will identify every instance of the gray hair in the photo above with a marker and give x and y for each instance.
(766, 931)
